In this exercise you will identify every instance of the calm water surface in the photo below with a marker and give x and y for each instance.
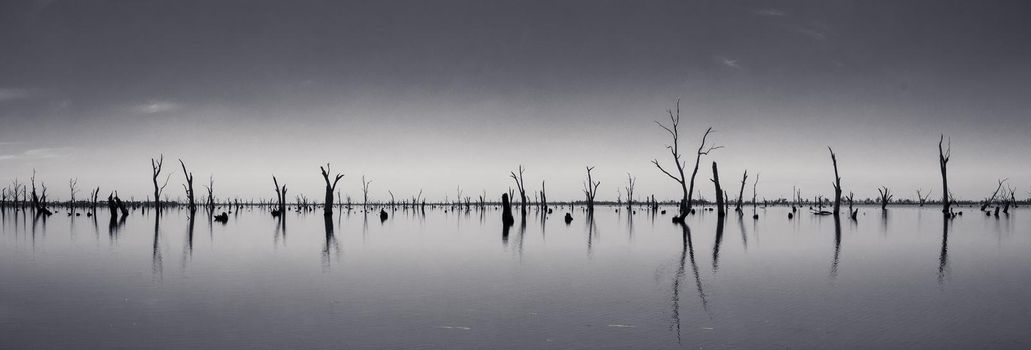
(451, 279)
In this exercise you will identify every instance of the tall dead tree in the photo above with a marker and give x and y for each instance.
(544, 198)
(35, 197)
(884, 197)
(943, 160)
(73, 188)
(837, 182)
(155, 165)
(210, 203)
(188, 186)
(631, 182)
(741, 194)
(365, 191)
(522, 189)
(590, 190)
(720, 208)
(330, 187)
(93, 198)
(686, 186)
(280, 198)
(755, 185)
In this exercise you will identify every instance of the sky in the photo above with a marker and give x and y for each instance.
(442, 95)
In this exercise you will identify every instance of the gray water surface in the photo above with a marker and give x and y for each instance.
(454, 279)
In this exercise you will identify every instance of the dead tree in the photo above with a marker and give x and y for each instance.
(741, 195)
(755, 185)
(1008, 200)
(922, 198)
(280, 198)
(943, 160)
(631, 182)
(211, 197)
(590, 190)
(365, 191)
(522, 189)
(93, 198)
(988, 201)
(720, 208)
(885, 197)
(155, 165)
(851, 200)
(73, 188)
(837, 183)
(686, 186)
(506, 211)
(544, 198)
(35, 197)
(188, 186)
(330, 187)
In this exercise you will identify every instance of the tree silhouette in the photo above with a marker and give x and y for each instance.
(365, 191)
(156, 165)
(686, 186)
(884, 197)
(741, 194)
(720, 208)
(631, 182)
(522, 189)
(506, 211)
(943, 161)
(590, 190)
(837, 182)
(188, 186)
(330, 187)
(280, 198)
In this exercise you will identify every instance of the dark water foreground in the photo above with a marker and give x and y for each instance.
(454, 280)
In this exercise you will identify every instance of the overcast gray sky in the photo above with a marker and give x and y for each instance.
(436, 94)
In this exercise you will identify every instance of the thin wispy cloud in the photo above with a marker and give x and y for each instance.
(10, 94)
(812, 33)
(156, 107)
(39, 153)
(770, 13)
(728, 62)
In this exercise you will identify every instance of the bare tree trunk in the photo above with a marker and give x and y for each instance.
(590, 190)
(720, 208)
(330, 187)
(837, 183)
(280, 198)
(522, 189)
(155, 165)
(189, 188)
(506, 211)
(741, 194)
(365, 191)
(631, 182)
(544, 198)
(943, 160)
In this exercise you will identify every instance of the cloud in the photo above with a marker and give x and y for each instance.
(156, 107)
(812, 33)
(770, 13)
(10, 94)
(728, 62)
(39, 153)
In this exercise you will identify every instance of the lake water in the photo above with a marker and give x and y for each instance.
(907, 279)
